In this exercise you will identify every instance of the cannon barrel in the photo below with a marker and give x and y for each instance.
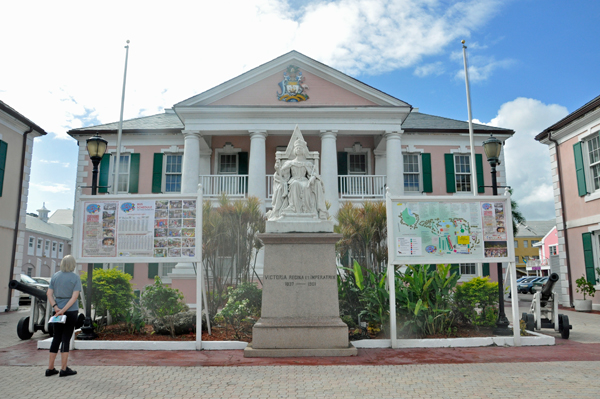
(547, 287)
(36, 292)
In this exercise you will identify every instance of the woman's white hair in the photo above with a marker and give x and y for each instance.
(68, 264)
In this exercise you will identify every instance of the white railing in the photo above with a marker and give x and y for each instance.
(362, 186)
(231, 185)
(269, 186)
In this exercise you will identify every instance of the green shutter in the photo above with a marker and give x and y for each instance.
(152, 270)
(426, 165)
(98, 265)
(104, 168)
(243, 168)
(486, 269)
(588, 257)
(479, 169)
(454, 268)
(128, 268)
(342, 164)
(134, 173)
(157, 170)
(450, 179)
(3, 156)
(579, 169)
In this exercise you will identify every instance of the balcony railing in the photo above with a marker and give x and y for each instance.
(232, 185)
(361, 186)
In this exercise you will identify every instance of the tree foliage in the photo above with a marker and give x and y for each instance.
(163, 302)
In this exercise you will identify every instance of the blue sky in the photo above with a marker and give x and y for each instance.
(531, 63)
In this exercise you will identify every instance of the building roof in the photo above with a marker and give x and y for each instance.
(20, 117)
(34, 224)
(535, 228)
(169, 121)
(573, 116)
(62, 216)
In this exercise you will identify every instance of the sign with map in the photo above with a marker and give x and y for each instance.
(435, 230)
(137, 228)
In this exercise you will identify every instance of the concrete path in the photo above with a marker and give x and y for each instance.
(568, 370)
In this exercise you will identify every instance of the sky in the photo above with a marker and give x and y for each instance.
(531, 62)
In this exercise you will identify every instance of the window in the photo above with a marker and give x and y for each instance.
(54, 245)
(533, 242)
(412, 173)
(525, 242)
(31, 246)
(553, 250)
(60, 250)
(38, 251)
(123, 183)
(47, 248)
(516, 244)
(462, 173)
(468, 268)
(516, 259)
(173, 173)
(357, 164)
(166, 268)
(593, 150)
(228, 164)
(3, 156)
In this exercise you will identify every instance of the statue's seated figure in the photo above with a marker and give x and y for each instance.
(297, 186)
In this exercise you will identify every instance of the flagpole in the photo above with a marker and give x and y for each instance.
(117, 161)
(474, 186)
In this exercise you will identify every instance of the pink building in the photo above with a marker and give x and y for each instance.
(574, 144)
(226, 139)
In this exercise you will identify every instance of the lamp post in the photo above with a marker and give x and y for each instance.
(96, 147)
(493, 148)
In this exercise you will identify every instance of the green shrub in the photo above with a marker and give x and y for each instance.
(476, 302)
(134, 319)
(423, 299)
(242, 308)
(111, 291)
(163, 302)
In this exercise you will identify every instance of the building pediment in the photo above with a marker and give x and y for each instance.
(321, 86)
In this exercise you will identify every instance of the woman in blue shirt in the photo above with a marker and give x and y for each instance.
(63, 293)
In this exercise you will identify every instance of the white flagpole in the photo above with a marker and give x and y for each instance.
(474, 186)
(120, 132)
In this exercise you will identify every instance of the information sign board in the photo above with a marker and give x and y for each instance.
(138, 228)
(444, 229)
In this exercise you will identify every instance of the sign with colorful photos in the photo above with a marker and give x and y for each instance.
(449, 230)
(138, 228)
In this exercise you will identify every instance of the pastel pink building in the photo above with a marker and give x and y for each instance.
(574, 144)
(226, 139)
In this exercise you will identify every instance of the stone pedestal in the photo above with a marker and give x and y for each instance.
(300, 309)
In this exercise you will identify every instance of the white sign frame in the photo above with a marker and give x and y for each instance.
(78, 225)
(510, 259)
(394, 236)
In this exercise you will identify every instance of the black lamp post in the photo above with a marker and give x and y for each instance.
(96, 147)
(493, 148)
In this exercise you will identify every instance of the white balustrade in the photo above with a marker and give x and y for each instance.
(269, 186)
(230, 185)
(362, 186)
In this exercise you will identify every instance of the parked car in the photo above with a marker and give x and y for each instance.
(526, 286)
(37, 282)
(539, 283)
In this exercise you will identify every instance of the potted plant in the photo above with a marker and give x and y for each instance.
(586, 288)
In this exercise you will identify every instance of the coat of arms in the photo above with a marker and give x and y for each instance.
(292, 86)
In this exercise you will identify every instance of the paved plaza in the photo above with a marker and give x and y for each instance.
(568, 370)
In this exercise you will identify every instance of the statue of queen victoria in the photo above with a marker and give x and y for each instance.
(297, 187)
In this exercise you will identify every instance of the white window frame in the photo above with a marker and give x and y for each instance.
(40, 247)
(420, 172)
(525, 244)
(553, 247)
(164, 171)
(111, 172)
(358, 149)
(468, 174)
(163, 271)
(47, 248)
(61, 247)
(585, 140)
(516, 244)
(54, 248)
(228, 149)
(516, 258)
(466, 277)
(31, 246)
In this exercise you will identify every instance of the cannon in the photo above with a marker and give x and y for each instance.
(38, 314)
(544, 310)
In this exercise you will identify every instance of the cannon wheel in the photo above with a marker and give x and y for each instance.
(530, 322)
(80, 320)
(524, 317)
(563, 326)
(23, 328)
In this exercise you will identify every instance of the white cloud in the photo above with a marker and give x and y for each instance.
(527, 161)
(70, 67)
(436, 68)
(63, 164)
(52, 187)
(481, 68)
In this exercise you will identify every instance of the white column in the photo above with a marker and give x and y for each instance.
(394, 162)
(257, 167)
(189, 185)
(329, 169)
